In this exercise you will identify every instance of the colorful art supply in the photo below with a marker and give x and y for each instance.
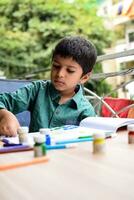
(98, 143)
(39, 146)
(18, 148)
(23, 134)
(45, 131)
(15, 148)
(4, 167)
(7, 143)
(60, 146)
(67, 141)
(48, 140)
(130, 129)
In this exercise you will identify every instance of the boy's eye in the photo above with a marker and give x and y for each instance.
(70, 71)
(56, 66)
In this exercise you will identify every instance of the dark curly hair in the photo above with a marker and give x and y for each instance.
(79, 49)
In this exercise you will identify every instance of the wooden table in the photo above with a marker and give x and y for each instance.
(73, 174)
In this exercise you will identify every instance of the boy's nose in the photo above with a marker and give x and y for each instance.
(61, 72)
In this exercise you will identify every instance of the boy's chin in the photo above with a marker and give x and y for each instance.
(59, 87)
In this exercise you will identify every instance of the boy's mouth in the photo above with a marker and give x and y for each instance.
(59, 82)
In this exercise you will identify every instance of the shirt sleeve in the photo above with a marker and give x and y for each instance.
(19, 100)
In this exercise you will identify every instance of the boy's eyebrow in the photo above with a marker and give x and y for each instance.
(72, 66)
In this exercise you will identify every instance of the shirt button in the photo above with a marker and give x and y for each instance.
(57, 111)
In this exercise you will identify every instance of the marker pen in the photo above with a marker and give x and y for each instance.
(75, 140)
(12, 145)
(7, 143)
(60, 146)
(15, 148)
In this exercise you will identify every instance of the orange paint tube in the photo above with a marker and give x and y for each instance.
(9, 166)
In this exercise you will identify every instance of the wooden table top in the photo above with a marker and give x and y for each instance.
(74, 174)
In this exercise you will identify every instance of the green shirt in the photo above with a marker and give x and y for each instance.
(41, 99)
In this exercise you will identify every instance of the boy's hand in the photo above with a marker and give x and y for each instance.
(8, 123)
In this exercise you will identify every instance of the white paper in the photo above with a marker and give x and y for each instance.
(106, 123)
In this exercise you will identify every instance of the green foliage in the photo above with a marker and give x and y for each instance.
(119, 32)
(30, 29)
(102, 90)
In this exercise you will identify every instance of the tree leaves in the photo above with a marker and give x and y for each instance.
(30, 29)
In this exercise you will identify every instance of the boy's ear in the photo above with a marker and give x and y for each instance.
(85, 78)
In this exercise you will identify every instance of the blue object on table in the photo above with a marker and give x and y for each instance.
(59, 146)
(75, 140)
(48, 139)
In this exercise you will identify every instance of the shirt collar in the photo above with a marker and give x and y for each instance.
(77, 97)
(74, 101)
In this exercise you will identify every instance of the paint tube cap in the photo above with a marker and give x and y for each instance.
(44, 131)
(23, 129)
(39, 139)
(130, 127)
(98, 135)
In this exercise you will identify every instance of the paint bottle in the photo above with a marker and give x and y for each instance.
(99, 143)
(23, 134)
(39, 146)
(130, 129)
(46, 132)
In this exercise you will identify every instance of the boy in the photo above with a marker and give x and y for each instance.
(59, 101)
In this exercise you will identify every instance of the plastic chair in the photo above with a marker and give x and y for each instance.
(111, 107)
(121, 106)
(8, 85)
(98, 102)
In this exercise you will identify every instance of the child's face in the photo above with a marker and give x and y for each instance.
(66, 74)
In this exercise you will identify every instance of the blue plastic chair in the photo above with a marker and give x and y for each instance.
(9, 85)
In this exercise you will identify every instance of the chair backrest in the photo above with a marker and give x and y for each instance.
(111, 107)
(97, 103)
(8, 85)
(120, 105)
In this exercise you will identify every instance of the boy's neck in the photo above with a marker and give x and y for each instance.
(66, 96)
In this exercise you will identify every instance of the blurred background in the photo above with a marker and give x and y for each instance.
(29, 30)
